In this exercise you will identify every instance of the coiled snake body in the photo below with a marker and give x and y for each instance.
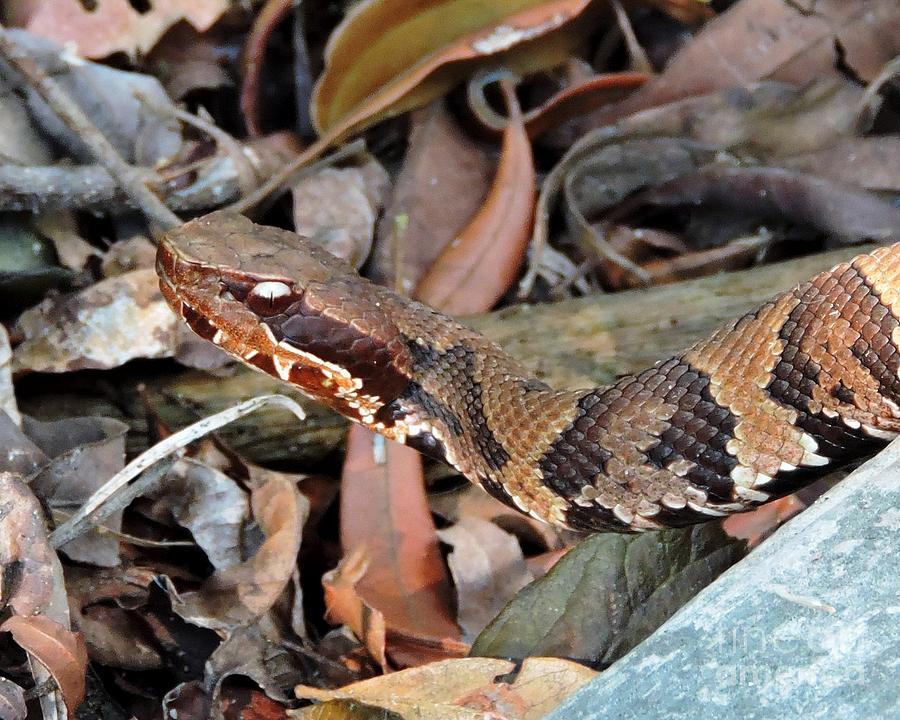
(805, 382)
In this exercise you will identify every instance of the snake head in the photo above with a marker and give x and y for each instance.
(286, 307)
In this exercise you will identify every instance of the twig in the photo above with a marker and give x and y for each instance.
(101, 504)
(300, 164)
(129, 178)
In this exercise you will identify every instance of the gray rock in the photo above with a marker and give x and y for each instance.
(807, 626)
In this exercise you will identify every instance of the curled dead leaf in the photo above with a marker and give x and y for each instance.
(238, 595)
(479, 266)
(58, 649)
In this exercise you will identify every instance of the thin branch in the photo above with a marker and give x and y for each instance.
(107, 500)
(129, 178)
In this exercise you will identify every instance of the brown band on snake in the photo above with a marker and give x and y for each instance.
(807, 382)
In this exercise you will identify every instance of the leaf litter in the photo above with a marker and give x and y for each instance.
(512, 150)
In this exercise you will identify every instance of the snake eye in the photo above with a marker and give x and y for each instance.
(269, 297)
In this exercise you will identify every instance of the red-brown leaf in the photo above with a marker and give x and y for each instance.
(477, 268)
(61, 651)
(384, 511)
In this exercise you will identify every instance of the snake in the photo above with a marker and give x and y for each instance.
(805, 383)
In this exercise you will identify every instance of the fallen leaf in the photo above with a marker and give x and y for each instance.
(12, 700)
(58, 649)
(346, 710)
(186, 60)
(33, 585)
(757, 39)
(111, 26)
(103, 326)
(488, 569)
(385, 514)
(872, 163)
(479, 266)
(390, 56)
(7, 390)
(25, 553)
(758, 524)
(209, 504)
(240, 594)
(130, 109)
(250, 652)
(337, 208)
(344, 605)
(464, 689)
(83, 454)
(841, 211)
(444, 180)
(607, 594)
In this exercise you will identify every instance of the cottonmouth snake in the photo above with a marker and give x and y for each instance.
(806, 382)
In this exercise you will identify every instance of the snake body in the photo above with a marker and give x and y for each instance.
(804, 383)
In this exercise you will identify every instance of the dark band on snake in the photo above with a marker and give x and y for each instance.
(807, 382)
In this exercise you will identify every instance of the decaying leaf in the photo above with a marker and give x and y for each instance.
(389, 56)
(33, 590)
(240, 594)
(337, 208)
(111, 26)
(607, 594)
(83, 454)
(209, 504)
(7, 391)
(131, 109)
(488, 569)
(103, 326)
(59, 650)
(12, 700)
(465, 689)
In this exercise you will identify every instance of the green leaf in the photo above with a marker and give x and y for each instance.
(609, 593)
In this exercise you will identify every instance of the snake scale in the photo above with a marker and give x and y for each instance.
(804, 383)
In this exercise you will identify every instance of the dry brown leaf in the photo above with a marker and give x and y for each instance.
(58, 649)
(758, 524)
(385, 512)
(240, 594)
(444, 180)
(472, 501)
(344, 604)
(466, 689)
(115, 25)
(103, 326)
(488, 569)
(389, 56)
(480, 265)
(24, 546)
(337, 208)
(757, 39)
